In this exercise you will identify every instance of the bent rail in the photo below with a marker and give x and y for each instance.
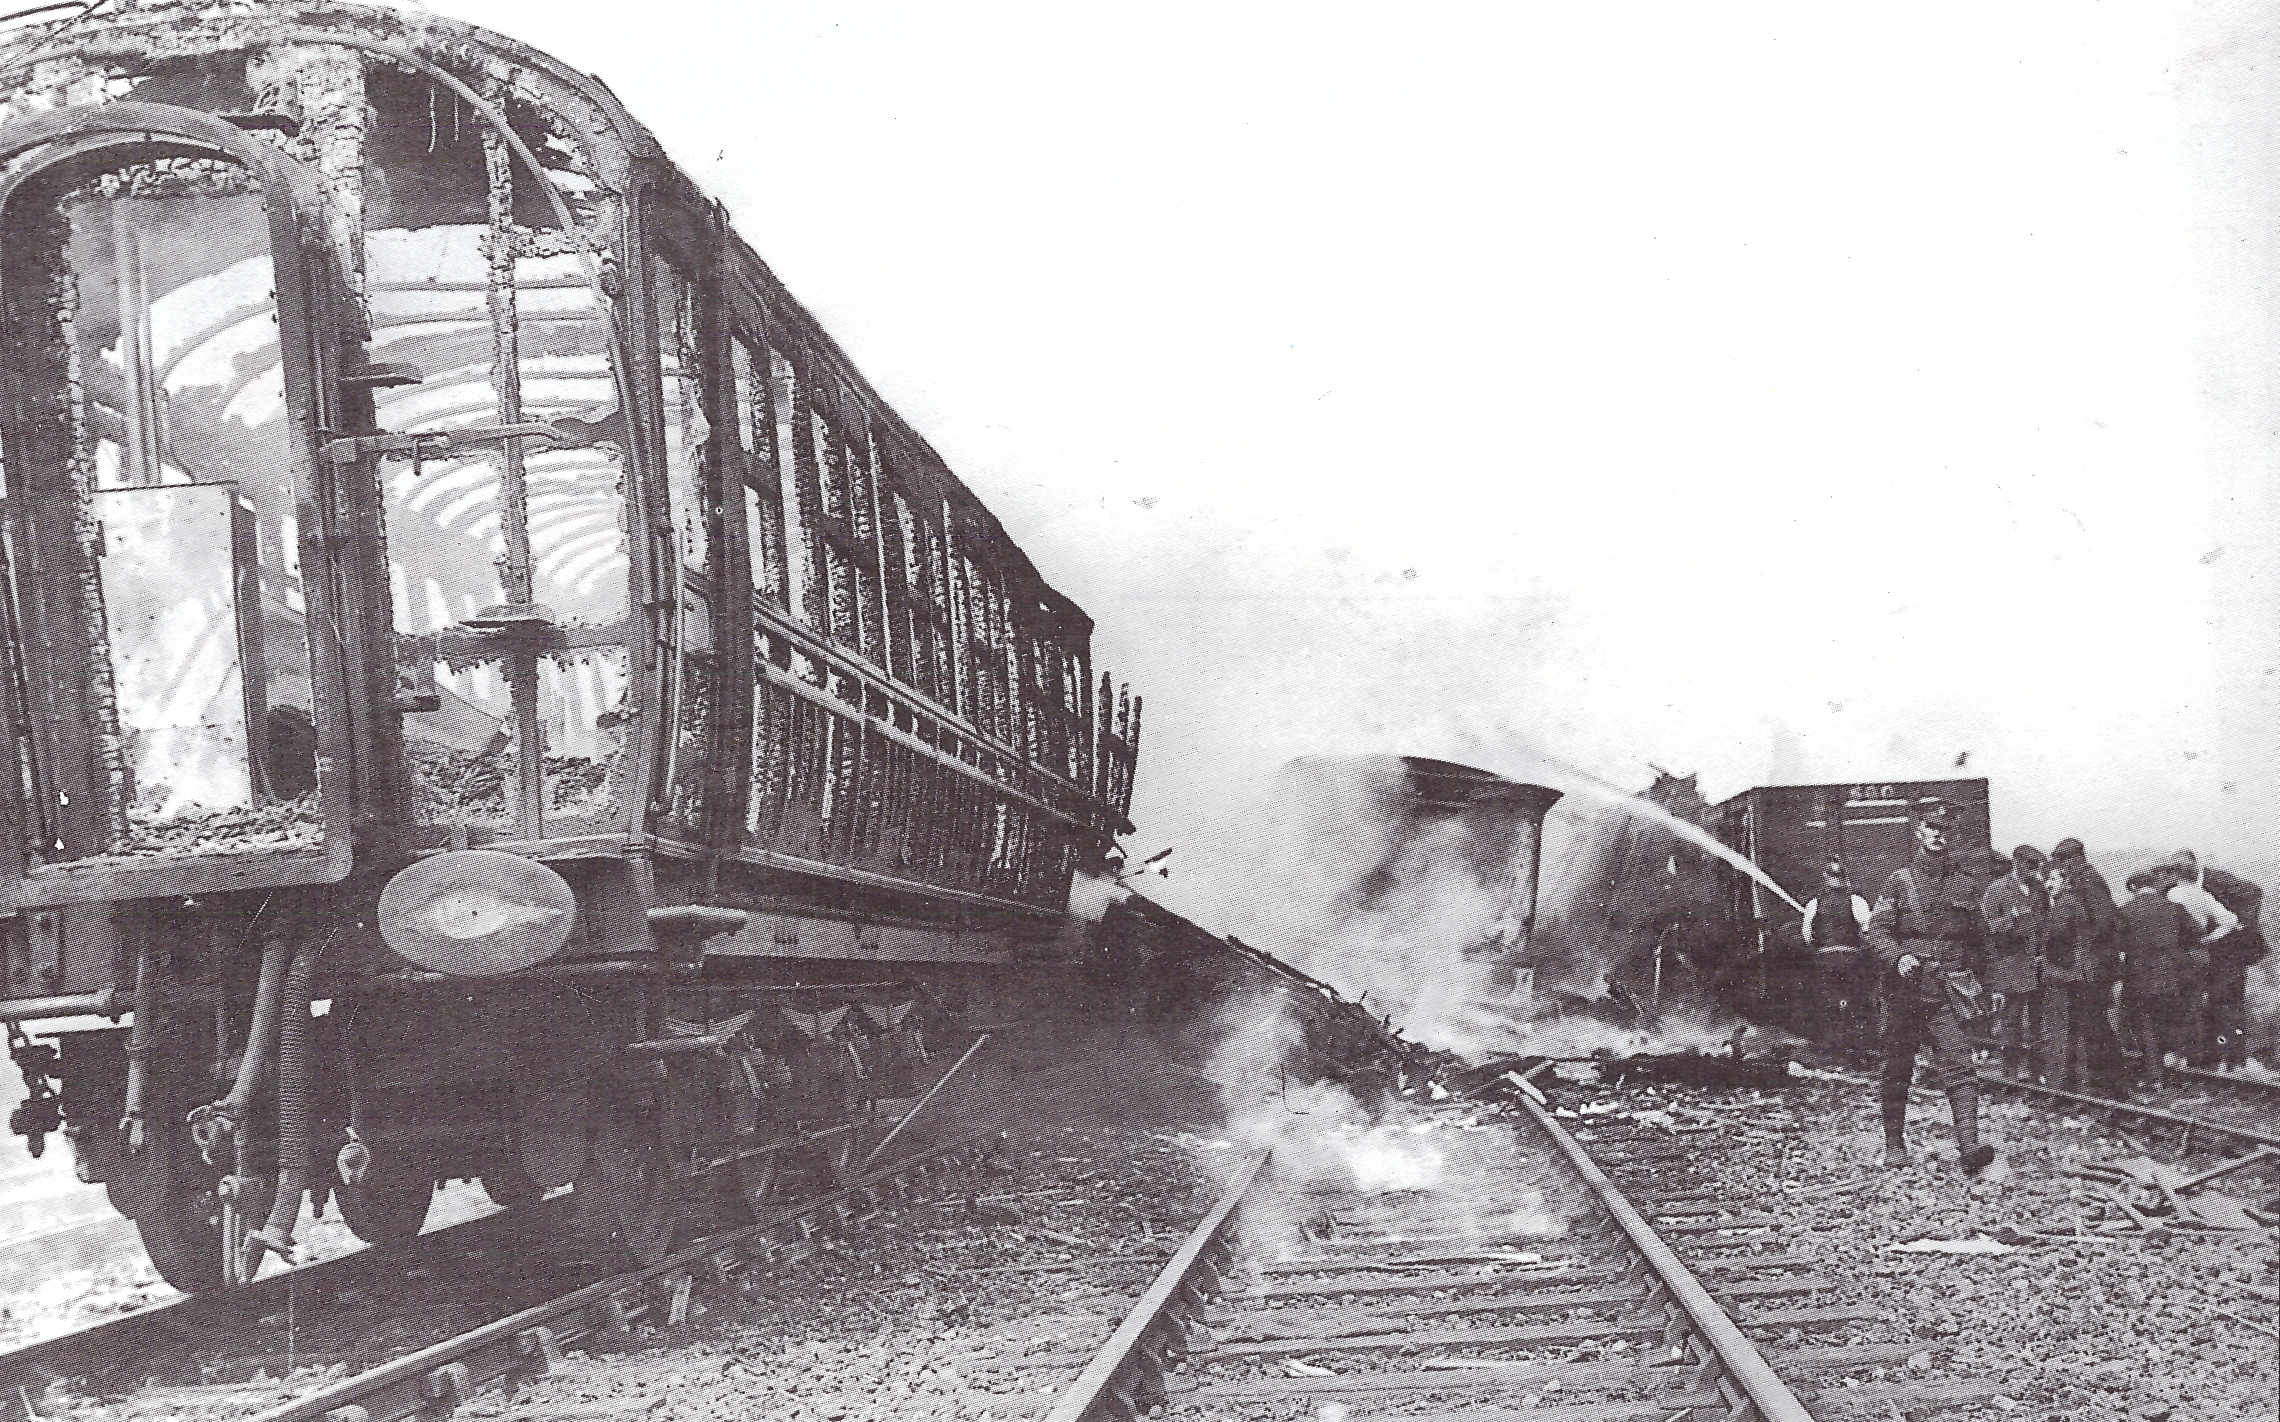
(432, 1381)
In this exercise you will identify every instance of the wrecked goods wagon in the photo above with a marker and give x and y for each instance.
(1791, 831)
(449, 577)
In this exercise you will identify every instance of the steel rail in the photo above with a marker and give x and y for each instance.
(114, 1338)
(2189, 1125)
(2264, 1087)
(1125, 1374)
(1762, 1394)
(434, 1380)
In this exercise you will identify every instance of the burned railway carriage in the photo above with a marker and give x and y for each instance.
(448, 580)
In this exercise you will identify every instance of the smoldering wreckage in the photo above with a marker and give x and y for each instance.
(1414, 884)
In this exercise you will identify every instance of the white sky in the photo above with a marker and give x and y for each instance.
(1787, 392)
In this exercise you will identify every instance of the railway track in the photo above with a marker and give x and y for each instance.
(2264, 1089)
(160, 1341)
(2251, 1119)
(537, 1309)
(1525, 1284)
(2165, 1115)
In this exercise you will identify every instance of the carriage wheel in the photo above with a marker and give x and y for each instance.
(511, 1187)
(624, 1194)
(181, 1231)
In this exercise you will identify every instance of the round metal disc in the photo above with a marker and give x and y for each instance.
(475, 912)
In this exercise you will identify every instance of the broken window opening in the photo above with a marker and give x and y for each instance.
(151, 530)
(687, 431)
(465, 755)
(514, 556)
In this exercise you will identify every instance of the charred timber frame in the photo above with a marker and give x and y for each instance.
(952, 726)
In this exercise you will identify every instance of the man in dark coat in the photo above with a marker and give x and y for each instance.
(1927, 933)
(2100, 959)
(2014, 909)
(2226, 1031)
(2162, 967)
(1842, 970)
(2061, 1049)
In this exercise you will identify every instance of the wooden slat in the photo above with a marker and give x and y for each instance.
(1881, 1399)
(1860, 1355)
(1774, 1288)
(1712, 1226)
(1747, 1263)
(1390, 1283)
(1501, 1375)
(1239, 1326)
(1525, 1333)
(1653, 1409)
(1805, 1317)
(1405, 1260)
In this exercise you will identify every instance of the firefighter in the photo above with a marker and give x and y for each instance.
(1928, 936)
(1832, 927)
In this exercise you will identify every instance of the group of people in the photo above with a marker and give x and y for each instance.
(2074, 984)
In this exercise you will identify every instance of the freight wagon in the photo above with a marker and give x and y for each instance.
(1791, 831)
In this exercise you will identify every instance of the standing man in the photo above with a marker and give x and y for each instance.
(2061, 1058)
(2014, 909)
(1927, 933)
(1834, 919)
(2230, 954)
(2101, 964)
(2159, 941)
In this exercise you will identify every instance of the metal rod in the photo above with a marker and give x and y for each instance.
(676, 1046)
(139, 1048)
(940, 1082)
(109, 1002)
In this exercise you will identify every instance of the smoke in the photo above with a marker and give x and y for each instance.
(1092, 895)
(1405, 913)
(1318, 1130)
(1390, 911)
(1331, 1147)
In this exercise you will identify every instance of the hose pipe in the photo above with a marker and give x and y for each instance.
(292, 1114)
(354, 1159)
(132, 1129)
(213, 1126)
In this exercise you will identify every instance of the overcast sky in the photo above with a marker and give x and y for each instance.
(1784, 392)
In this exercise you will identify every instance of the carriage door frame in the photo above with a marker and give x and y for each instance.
(299, 269)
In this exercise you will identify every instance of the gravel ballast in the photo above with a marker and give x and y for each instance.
(2174, 1327)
